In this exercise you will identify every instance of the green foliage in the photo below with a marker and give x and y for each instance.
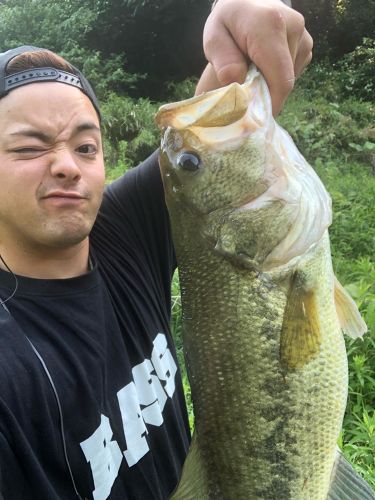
(320, 22)
(358, 434)
(106, 74)
(353, 76)
(334, 126)
(178, 91)
(161, 38)
(353, 229)
(354, 21)
(63, 27)
(337, 26)
(112, 171)
(126, 120)
(52, 24)
(357, 71)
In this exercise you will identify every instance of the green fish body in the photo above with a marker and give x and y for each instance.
(262, 311)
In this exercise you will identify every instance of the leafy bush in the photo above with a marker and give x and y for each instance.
(105, 73)
(357, 71)
(178, 91)
(52, 24)
(352, 188)
(352, 76)
(328, 129)
(358, 435)
(126, 120)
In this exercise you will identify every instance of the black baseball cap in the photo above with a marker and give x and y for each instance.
(43, 74)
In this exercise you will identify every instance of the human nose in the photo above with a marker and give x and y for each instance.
(64, 166)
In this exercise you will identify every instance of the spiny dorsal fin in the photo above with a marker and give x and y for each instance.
(347, 311)
(301, 331)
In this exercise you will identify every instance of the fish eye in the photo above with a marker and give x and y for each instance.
(189, 161)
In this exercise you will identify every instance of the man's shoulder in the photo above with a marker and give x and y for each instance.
(145, 177)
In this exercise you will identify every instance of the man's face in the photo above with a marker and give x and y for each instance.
(51, 167)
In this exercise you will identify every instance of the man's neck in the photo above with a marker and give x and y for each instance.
(49, 264)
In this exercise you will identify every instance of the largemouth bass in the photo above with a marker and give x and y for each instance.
(262, 311)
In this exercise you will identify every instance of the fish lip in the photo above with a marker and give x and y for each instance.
(64, 194)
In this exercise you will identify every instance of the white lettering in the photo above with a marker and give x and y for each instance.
(150, 392)
(134, 426)
(141, 402)
(164, 363)
(104, 457)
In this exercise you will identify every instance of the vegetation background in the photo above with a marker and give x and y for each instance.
(141, 53)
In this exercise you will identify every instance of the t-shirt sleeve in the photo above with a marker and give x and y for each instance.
(133, 219)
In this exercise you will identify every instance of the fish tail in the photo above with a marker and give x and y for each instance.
(347, 484)
(193, 484)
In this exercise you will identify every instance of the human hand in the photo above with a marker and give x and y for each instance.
(267, 32)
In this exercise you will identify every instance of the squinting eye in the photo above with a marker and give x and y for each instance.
(189, 161)
(27, 150)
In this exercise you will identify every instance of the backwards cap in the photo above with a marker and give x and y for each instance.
(43, 74)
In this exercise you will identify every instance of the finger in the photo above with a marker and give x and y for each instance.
(295, 29)
(304, 54)
(228, 61)
(208, 81)
(276, 64)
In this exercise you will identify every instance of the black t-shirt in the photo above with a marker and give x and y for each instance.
(104, 338)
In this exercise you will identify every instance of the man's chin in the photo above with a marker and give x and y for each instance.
(66, 237)
(67, 241)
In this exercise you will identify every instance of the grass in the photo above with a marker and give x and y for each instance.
(357, 439)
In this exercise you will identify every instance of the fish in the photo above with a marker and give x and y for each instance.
(263, 314)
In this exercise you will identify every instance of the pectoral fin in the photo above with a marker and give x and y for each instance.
(350, 319)
(346, 483)
(193, 484)
(301, 331)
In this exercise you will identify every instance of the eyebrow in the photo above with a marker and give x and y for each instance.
(86, 126)
(30, 132)
(33, 133)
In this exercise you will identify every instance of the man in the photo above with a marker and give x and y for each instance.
(91, 402)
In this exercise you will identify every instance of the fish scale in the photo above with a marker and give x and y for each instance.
(262, 311)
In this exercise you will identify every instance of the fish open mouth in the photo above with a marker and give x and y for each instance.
(217, 108)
